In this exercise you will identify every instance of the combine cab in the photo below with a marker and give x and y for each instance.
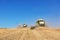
(41, 22)
(24, 25)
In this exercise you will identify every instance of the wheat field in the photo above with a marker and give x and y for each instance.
(39, 33)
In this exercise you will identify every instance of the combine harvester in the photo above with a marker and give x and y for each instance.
(24, 25)
(39, 23)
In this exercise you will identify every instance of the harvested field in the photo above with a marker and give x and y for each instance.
(29, 34)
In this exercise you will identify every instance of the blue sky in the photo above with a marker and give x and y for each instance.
(14, 12)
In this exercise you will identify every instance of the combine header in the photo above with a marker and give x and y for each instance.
(33, 27)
